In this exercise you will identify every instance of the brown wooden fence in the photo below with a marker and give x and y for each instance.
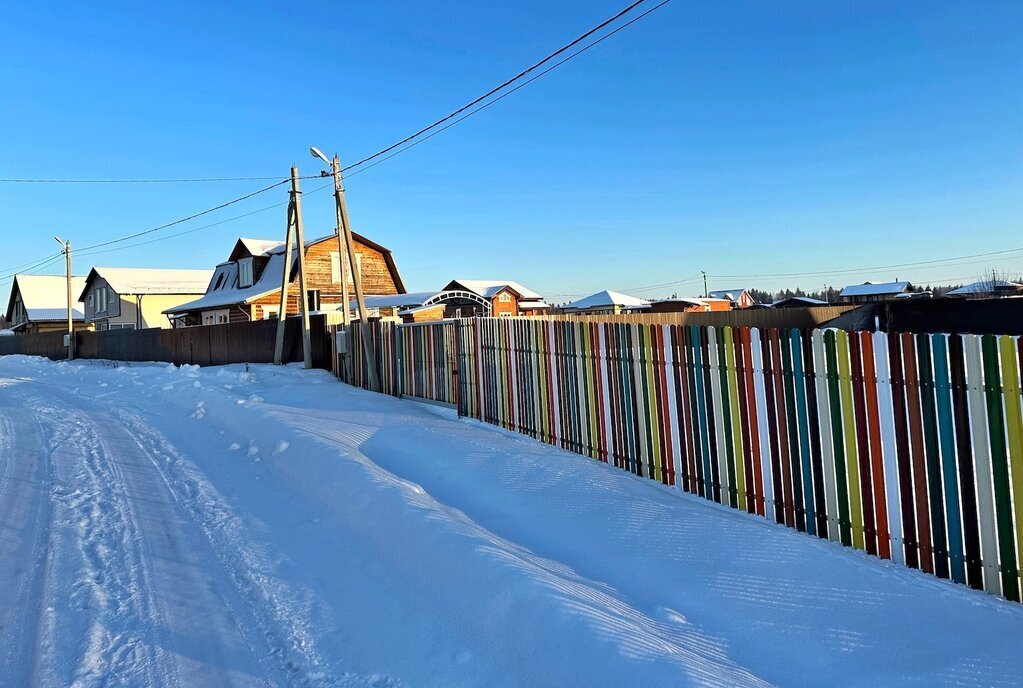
(247, 342)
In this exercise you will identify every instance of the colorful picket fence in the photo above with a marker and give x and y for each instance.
(906, 446)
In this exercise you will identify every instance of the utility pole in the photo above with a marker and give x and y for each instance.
(70, 312)
(369, 349)
(335, 166)
(282, 311)
(706, 293)
(294, 233)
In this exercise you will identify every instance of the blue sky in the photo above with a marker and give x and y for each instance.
(740, 138)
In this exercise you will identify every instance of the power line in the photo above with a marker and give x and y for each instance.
(84, 252)
(843, 271)
(399, 144)
(495, 100)
(136, 181)
(507, 83)
(185, 219)
(31, 262)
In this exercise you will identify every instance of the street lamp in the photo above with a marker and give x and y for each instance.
(317, 153)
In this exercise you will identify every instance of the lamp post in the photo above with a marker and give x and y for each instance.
(70, 315)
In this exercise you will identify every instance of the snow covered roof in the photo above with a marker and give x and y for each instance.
(413, 300)
(692, 301)
(489, 288)
(987, 287)
(260, 247)
(730, 294)
(607, 299)
(152, 280)
(534, 304)
(45, 297)
(875, 289)
(224, 290)
(804, 300)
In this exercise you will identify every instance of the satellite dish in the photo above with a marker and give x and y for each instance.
(316, 153)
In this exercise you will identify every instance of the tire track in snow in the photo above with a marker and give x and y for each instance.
(101, 628)
(274, 607)
(269, 613)
(143, 610)
(25, 533)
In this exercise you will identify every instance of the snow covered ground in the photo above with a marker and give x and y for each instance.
(165, 526)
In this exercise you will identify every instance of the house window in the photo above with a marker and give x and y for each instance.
(122, 326)
(101, 300)
(313, 299)
(92, 300)
(216, 317)
(245, 272)
(271, 312)
(335, 267)
(505, 297)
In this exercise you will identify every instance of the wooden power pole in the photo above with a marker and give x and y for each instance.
(294, 235)
(344, 228)
(342, 252)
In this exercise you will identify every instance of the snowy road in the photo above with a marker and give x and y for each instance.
(182, 527)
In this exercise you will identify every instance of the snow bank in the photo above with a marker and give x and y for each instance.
(380, 543)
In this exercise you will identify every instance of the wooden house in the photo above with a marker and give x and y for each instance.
(872, 292)
(247, 286)
(38, 303)
(506, 298)
(739, 298)
(135, 298)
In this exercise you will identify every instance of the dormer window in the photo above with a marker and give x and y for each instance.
(505, 297)
(245, 272)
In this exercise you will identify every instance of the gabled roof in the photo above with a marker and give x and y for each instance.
(267, 247)
(730, 294)
(415, 299)
(489, 288)
(151, 280)
(987, 287)
(798, 301)
(224, 290)
(691, 301)
(876, 289)
(607, 299)
(253, 247)
(45, 297)
(223, 287)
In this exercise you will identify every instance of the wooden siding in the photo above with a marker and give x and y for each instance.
(377, 279)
